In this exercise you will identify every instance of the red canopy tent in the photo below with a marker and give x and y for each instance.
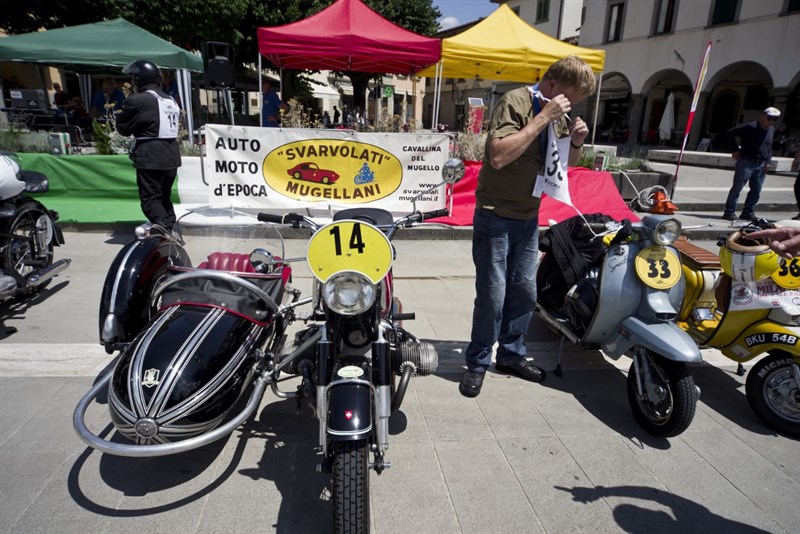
(348, 36)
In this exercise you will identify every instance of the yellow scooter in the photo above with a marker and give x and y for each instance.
(746, 302)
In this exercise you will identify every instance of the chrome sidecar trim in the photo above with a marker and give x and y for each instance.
(147, 451)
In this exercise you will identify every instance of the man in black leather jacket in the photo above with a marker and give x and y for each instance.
(152, 117)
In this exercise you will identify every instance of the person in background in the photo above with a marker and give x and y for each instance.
(505, 225)
(153, 118)
(77, 114)
(170, 86)
(60, 99)
(108, 99)
(336, 116)
(271, 106)
(751, 147)
(779, 141)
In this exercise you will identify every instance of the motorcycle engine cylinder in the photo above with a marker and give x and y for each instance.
(421, 354)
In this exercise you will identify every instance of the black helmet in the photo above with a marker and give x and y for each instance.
(144, 72)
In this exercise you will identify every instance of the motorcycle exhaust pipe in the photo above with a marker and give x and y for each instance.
(40, 277)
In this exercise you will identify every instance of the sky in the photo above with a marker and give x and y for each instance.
(457, 12)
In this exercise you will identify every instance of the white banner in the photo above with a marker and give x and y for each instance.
(762, 295)
(291, 168)
(553, 181)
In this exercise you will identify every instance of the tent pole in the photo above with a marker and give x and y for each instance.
(597, 106)
(437, 91)
(260, 96)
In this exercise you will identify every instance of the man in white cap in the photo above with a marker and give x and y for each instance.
(751, 147)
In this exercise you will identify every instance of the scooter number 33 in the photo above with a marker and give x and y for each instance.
(658, 267)
(349, 246)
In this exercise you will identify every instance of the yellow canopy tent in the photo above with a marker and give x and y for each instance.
(504, 47)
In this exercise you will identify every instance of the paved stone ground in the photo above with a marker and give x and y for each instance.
(562, 456)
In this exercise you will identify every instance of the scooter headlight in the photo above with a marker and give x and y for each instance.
(348, 293)
(667, 231)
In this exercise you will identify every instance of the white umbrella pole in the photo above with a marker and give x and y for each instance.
(597, 106)
(260, 96)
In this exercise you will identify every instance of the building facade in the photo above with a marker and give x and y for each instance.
(656, 47)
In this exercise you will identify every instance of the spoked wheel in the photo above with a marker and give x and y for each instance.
(30, 247)
(774, 393)
(669, 397)
(350, 487)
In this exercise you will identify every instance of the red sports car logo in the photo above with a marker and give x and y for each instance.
(311, 172)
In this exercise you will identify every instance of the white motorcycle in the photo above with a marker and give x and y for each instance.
(28, 232)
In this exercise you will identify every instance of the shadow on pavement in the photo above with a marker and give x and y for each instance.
(686, 514)
(290, 461)
(152, 475)
(14, 309)
(602, 392)
(723, 392)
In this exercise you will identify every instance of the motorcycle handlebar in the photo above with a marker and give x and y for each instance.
(424, 216)
(286, 218)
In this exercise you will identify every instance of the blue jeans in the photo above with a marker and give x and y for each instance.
(746, 171)
(505, 253)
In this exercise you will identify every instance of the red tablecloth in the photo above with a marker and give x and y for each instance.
(591, 192)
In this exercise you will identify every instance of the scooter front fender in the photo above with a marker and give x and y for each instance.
(666, 339)
(349, 409)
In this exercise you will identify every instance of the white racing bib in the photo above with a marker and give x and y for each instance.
(168, 117)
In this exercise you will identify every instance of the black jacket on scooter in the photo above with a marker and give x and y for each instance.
(140, 118)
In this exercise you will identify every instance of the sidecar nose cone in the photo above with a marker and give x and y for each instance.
(146, 427)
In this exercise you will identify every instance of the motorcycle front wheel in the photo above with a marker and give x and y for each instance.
(774, 394)
(350, 487)
(21, 253)
(672, 412)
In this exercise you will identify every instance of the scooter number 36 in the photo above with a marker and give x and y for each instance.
(788, 276)
(658, 267)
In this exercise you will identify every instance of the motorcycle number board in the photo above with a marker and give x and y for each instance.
(788, 276)
(658, 267)
(349, 246)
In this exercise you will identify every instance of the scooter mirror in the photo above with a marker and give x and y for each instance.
(263, 261)
(453, 170)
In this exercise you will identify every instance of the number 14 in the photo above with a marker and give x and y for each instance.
(356, 241)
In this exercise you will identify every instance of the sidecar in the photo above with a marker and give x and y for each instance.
(206, 335)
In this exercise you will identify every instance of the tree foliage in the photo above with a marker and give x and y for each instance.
(188, 23)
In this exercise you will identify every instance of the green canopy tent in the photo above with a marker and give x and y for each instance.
(101, 46)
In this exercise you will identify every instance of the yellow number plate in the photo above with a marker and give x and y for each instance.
(658, 267)
(788, 276)
(349, 246)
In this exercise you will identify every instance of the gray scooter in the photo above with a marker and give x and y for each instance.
(624, 299)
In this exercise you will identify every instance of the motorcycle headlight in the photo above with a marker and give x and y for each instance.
(666, 232)
(348, 293)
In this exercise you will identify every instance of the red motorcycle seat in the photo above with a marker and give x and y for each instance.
(228, 261)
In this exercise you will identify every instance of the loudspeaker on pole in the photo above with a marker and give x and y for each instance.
(219, 66)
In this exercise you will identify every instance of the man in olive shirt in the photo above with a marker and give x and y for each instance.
(505, 224)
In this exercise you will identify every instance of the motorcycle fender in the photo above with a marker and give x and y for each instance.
(762, 338)
(349, 411)
(666, 339)
(10, 208)
(124, 303)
